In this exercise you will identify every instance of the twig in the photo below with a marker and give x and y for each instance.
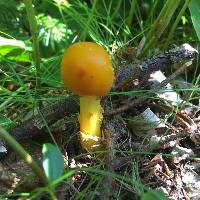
(182, 118)
(174, 75)
(127, 106)
(34, 32)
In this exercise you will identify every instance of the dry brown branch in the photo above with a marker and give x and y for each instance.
(47, 116)
(140, 70)
(129, 104)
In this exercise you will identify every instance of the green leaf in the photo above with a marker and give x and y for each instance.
(154, 195)
(11, 42)
(14, 50)
(194, 7)
(19, 55)
(53, 162)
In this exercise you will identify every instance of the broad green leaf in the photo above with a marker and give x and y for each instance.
(194, 7)
(14, 50)
(11, 42)
(7, 49)
(19, 55)
(53, 162)
(156, 195)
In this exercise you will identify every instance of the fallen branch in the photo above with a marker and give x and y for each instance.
(139, 71)
(35, 126)
(129, 104)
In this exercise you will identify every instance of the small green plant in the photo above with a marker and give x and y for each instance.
(53, 162)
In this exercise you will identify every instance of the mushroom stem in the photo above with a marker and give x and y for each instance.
(90, 119)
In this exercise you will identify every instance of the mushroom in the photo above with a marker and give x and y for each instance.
(87, 71)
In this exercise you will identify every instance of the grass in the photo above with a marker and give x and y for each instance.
(112, 24)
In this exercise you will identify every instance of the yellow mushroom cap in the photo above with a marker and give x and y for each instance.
(86, 69)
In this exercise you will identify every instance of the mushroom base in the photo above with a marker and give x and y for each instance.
(90, 119)
(91, 143)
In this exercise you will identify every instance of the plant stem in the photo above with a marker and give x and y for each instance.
(117, 8)
(176, 22)
(52, 194)
(87, 25)
(160, 24)
(131, 12)
(34, 32)
(24, 154)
